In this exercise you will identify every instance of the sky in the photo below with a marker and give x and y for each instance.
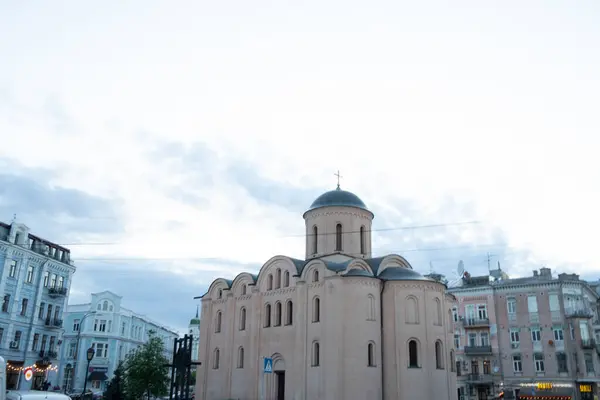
(170, 143)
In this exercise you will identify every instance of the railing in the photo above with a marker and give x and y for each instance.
(55, 323)
(588, 343)
(478, 350)
(481, 378)
(580, 312)
(48, 354)
(475, 322)
(57, 291)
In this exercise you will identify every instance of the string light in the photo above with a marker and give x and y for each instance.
(33, 367)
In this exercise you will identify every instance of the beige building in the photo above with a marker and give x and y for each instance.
(339, 324)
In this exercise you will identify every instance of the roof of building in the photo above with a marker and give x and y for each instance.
(338, 197)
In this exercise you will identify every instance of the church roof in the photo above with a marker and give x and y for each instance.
(402, 274)
(338, 197)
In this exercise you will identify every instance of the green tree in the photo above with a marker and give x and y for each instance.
(146, 374)
(115, 389)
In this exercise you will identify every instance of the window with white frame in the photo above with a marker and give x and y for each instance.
(558, 333)
(584, 330)
(482, 311)
(99, 325)
(53, 280)
(514, 336)
(457, 340)
(536, 334)
(485, 339)
(46, 278)
(12, 271)
(554, 303)
(517, 363)
(472, 339)
(29, 278)
(76, 325)
(511, 305)
(538, 359)
(72, 348)
(532, 305)
(455, 314)
(101, 350)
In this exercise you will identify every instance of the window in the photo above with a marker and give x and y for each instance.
(109, 321)
(338, 237)
(220, 294)
(267, 316)
(589, 363)
(514, 335)
(485, 339)
(46, 278)
(457, 341)
(315, 239)
(511, 305)
(371, 355)
(286, 279)
(277, 314)
(99, 325)
(278, 278)
(44, 341)
(52, 343)
(243, 319)
(536, 335)
(472, 339)
(455, 314)
(538, 358)
(270, 282)
(240, 362)
(584, 330)
(24, 306)
(370, 308)
(52, 280)
(216, 356)
(218, 320)
(482, 311)
(362, 240)
(558, 333)
(29, 278)
(244, 289)
(105, 306)
(315, 276)
(413, 357)
(123, 328)
(412, 310)
(41, 310)
(36, 340)
(517, 363)
(554, 304)
(316, 310)
(12, 271)
(6, 303)
(315, 354)
(532, 305)
(289, 312)
(438, 312)
(61, 283)
(561, 361)
(439, 355)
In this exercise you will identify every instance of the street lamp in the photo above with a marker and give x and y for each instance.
(81, 326)
(90, 355)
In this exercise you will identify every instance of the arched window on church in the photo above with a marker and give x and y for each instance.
(371, 354)
(370, 308)
(243, 319)
(267, 316)
(270, 282)
(243, 289)
(286, 279)
(289, 312)
(220, 294)
(338, 237)
(315, 275)
(413, 356)
(278, 278)
(316, 310)
(277, 314)
(450, 320)
(218, 319)
(362, 240)
(216, 356)
(240, 363)
(438, 312)
(411, 305)
(315, 240)
(315, 354)
(439, 355)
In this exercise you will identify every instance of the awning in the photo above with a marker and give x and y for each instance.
(97, 376)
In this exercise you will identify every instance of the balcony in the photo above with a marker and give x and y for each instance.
(480, 378)
(579, 312)
(57, 291)
(53, 322)
(476, 322)
(588, 344)
(478, 350)
(50, 354)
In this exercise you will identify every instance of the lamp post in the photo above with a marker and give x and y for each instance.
(90, 356)
(81, 326)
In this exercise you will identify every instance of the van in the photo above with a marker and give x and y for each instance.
(35, 395)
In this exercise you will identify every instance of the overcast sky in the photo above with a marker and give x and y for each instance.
(170, 143)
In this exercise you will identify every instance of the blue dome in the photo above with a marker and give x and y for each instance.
(338, 197)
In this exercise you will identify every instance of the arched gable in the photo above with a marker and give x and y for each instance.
(213, 289)
(311, 266)
(393, 260)
(244, 278)
(361, 265)
(270, 267)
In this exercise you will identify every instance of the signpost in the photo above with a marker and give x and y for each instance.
(267, 369)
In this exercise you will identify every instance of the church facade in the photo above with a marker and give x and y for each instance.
(339, 324)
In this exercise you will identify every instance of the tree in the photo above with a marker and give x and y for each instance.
(146, 374)
(115, 389)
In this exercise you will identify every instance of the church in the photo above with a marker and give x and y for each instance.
(339, 324)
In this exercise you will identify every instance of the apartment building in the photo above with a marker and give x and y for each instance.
(112, 331)
(529, 337)
(34, 283)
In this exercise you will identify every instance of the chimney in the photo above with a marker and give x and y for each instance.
(535, 273)
(546, 272)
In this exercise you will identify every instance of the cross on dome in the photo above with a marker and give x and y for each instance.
(338, 179)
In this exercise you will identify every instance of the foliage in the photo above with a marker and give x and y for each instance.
(145, 371)
(193, 378)
(116, 386)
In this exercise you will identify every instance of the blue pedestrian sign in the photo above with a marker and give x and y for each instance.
(268, 367)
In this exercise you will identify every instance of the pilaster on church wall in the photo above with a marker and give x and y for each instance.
(230, 327)
(256, 320)
(301, 350)
(331, 348)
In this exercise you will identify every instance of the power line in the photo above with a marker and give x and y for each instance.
(430, 226)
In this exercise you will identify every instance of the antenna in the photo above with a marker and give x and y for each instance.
(489, 260)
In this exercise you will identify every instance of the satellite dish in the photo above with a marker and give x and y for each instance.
(460, 270)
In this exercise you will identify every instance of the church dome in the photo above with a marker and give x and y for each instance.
(338, 197)
(195, 321)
